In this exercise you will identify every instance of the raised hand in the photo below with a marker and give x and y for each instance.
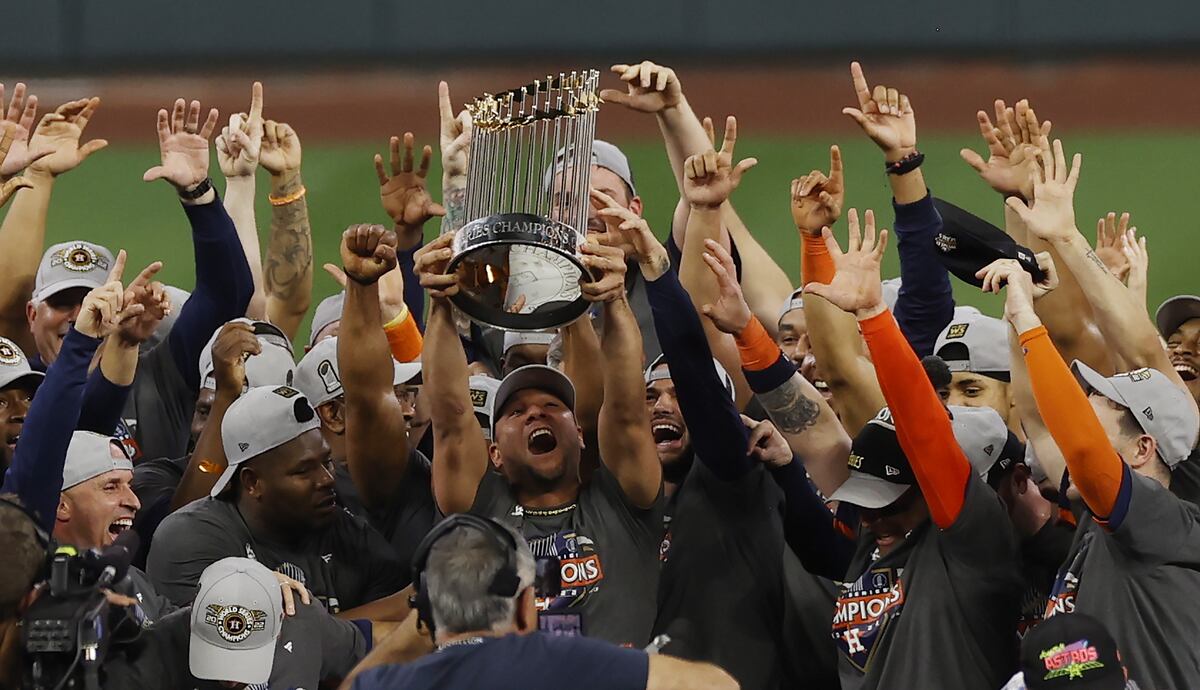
(730, 313)
(1019, 292)
(1012, 145)
(651, 88)
(996, 274)
(767, 445)
(234, 345)
(856, 286)
(1051, 216)
(59, 132)
(455, 136)
(1111, 241)
(631, 234)
(405, 195)
(239, 144)
(885, 115)
(430, 264)
(103, 310)
(10, 186)
(183, 145)
(368, 252)
(280, 152)
(816, 198)
(1134, 249)
(18, 125)
(710, 177)
(607, 265)
(150, 294)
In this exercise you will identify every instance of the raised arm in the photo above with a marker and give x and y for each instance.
(224, 283)
(922, 425)
(799, 412)
(376, 442)
(36, 473)
(53, 150)
(583, 363)
(238, 148)
(288, 266)
(626, 445)
(460, 452)
(455, 141)
(1125, 324)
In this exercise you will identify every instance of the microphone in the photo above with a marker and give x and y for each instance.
(111, 563)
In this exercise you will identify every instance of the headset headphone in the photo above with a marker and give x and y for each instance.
(505, 583)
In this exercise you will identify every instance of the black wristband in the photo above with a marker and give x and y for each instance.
(356, 279)
(905, 165)
(200, 190)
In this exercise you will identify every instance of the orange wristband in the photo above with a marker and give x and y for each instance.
(816, 264)
(755, 346)
(404, 338)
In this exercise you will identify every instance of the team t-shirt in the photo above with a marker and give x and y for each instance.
(812, 656)
(721, 596)
(1141, 581)
(160, 406)
(939, 610)
(606, 550)
(312, 646)
(345, 565)
(517, 662)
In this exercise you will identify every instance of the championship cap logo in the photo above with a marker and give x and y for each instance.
(285, 392)
(957, 330)
(479, 397)
(235, 623)
(1142, 374)
(945, 243)
(9, 354)
(78, 257)
(855, 461)
(329, 376)
(1071, 660)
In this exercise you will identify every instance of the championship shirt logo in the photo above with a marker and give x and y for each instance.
(235, 623)
(580, 567)
(864, 608)
(1071, 660)
(957, 330)
(78, 257)
(9, 354)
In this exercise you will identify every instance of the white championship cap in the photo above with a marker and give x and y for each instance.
(14, 366)
(274, 366)
(261, 420)
(236, 619)
(90, 455)
(69, 265)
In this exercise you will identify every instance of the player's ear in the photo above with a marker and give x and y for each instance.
(526, 613)
(494, 456)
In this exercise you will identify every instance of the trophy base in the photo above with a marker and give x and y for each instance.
(519, 272)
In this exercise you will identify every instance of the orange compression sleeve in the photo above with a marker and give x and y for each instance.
(816, 264)
(756, 348)
(404, 338)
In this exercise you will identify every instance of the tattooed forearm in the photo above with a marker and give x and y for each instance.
(1091, 255)
(455, 202)
(788, 407)
(289, 255)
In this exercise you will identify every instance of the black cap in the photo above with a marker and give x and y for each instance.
(967, 243)
(879, 470)
(1071, 650)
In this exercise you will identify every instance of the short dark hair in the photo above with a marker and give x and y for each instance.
(24, 549)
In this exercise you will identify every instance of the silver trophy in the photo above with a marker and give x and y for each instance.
(528, 182)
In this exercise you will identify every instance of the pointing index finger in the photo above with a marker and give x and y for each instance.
(860, 85)
(256, 102)
(730, 135)
(445, 111)
(118, 269)
(835, 165)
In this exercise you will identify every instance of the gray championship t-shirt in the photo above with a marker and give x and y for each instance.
(1141, 579)
(160, 406)
(408, 515)
(939, 610)
(345, 565)
(312, 646)
(606, 550)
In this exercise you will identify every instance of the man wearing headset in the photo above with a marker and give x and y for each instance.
(475, 593)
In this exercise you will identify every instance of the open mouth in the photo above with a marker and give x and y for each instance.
(11, 440)
(1186, 371)
(666, 434)
(120, 525)
(542, 440)
(823, 389)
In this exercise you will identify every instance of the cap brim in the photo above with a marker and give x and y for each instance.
(249, 666)
(867, 491)
(406, 373)
(222, 483)
(1090, 378)
(1175, 312)
(539, 377)
(15, 378)
(52, 289)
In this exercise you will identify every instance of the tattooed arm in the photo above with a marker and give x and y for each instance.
(454, 199)
(289, 263)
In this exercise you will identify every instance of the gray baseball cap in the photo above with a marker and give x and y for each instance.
(274, 366)
(515, 338)
(891, 292)
(317, 374)
(794, 301)
(236, 619)
(664, 373)
(406, 373)
(328, 311)
(986, 440)
(14, 366)
(260, 420)
(1162, 409)
(76, 264)
(975, 343)
(89, 455)
(604, 155)
(1175, 312)
(879, 470)
(483, 394)
(536, 376)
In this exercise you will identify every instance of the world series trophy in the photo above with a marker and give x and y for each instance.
(528, 180)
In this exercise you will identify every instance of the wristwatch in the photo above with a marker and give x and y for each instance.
(197, 191)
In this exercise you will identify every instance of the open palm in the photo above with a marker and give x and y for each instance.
(183, 146)
(856, 286)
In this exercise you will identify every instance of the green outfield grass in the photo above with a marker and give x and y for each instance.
(1152, 176)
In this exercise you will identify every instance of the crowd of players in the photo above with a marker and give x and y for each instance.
(724, 480)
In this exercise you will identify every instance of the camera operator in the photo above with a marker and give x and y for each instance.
(475, 593)
(24, 546)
